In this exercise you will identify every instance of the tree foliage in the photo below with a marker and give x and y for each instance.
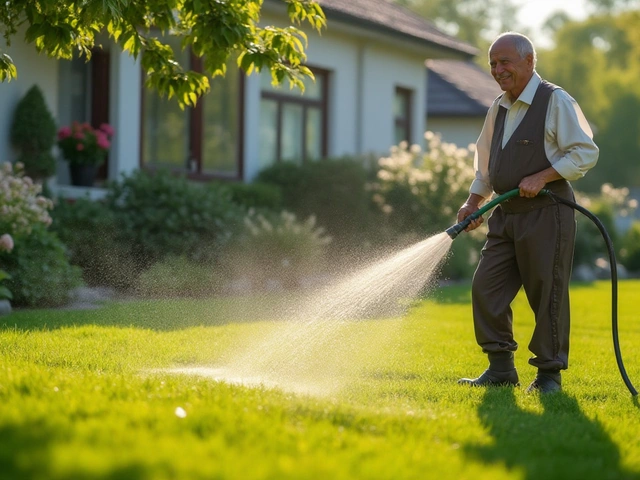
(598, 62)
(474, 21)
(214, 30)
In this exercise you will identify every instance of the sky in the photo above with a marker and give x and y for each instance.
(533, 14)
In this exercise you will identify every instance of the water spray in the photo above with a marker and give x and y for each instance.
(455, 230)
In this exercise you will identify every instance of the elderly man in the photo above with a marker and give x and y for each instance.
(535, 136)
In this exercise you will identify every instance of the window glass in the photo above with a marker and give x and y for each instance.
(400, 134)
(292, 125)
(400, 104)
(268, 132)
(402, 115)
(314, 133)
(166, 128)
(221, 129)
(292, 128)
(202, 141)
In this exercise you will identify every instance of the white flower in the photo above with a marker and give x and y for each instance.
(6, 243)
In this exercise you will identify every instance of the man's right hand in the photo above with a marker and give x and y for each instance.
(471, 205)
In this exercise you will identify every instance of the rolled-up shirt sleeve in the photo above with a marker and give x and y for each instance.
(568, 137)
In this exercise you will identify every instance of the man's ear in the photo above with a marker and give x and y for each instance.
(529, 58)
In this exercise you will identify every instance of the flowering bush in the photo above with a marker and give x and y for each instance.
(6, 245)
(21, 205)
(614, 208)
(421, 191)
(81, 144)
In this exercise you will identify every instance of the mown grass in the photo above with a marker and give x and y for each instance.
(81, 397)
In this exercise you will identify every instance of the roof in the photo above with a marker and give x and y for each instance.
(382, 15)
(459, 88)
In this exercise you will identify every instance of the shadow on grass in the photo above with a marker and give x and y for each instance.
(26, 451)
(559, 443)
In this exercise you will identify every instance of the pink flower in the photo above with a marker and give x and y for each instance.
(101, 140)
(108, 129)
(79, 135)
(80, 147)
(64, 132)
(6, 243)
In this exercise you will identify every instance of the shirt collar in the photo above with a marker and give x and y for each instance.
(527, 94)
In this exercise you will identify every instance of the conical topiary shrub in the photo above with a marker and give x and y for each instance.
(33, 132)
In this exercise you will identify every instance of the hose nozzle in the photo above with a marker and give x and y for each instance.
(454, 230)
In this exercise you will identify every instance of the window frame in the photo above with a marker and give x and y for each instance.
(282, 98)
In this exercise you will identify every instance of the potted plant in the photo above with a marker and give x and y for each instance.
(84, 148)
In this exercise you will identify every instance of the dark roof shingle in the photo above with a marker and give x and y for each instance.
(458, 88)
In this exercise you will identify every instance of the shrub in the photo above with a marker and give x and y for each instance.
(276, 247)
(38, 266)
(6, 245)
(630, 252)
(41, 275)
(255, 195)
(33, 133)
(159, 214)
(611, 202)
(421, 191)
(178, 277)
(334, 191)
(90, 231)
(21, 205)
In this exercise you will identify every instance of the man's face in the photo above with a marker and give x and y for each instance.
(510, 71)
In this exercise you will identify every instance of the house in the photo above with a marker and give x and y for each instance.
(459, 93)
(369, 94)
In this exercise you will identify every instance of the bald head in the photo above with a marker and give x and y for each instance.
(520, 42)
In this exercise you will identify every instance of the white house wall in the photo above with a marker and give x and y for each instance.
(461, 131)
(125, 112)
(32, 69)
(360, 120)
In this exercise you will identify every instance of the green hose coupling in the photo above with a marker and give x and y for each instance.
(455, 230)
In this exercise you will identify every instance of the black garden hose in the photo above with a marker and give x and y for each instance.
(614, 283)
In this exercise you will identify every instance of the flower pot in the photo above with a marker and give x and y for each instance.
(83, 175)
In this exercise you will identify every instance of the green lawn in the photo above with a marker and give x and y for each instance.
(83, 394)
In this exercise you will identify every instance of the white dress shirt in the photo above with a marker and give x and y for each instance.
(568, 139)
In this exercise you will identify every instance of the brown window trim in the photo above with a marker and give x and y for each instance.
(282, 98)
(196, 132)
(405, 120)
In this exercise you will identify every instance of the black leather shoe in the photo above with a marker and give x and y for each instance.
(546, 382)
(491, 378)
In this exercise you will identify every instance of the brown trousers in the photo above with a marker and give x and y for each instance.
(533, 249)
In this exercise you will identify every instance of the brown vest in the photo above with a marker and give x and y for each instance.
(524, 154)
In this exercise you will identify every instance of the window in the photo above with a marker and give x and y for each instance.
(204, 141)
(293, 125)
(402, 115)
